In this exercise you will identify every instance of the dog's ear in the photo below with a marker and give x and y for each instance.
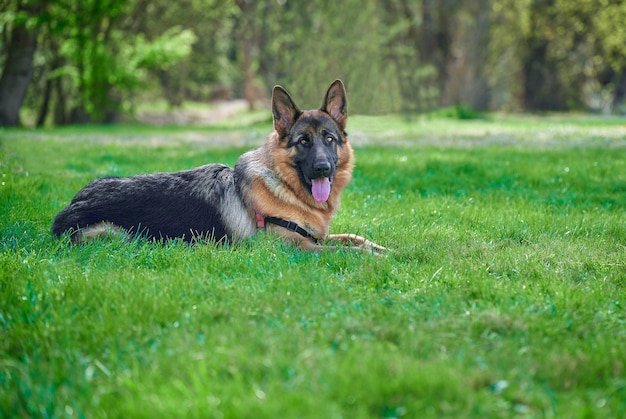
(285, 111)
(336, 104)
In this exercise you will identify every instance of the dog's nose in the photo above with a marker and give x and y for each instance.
(322, 168)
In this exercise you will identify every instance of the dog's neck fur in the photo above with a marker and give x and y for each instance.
(279, 192)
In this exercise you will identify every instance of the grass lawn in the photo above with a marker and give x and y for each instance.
(504, 296)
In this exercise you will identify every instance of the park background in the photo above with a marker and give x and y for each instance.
(486, 159)
(79, 61)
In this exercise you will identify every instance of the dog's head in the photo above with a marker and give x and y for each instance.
(316, 140)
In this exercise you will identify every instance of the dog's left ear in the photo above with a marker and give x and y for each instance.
(335, 103)
(285, 111)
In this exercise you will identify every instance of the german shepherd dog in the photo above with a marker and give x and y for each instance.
(290, 186)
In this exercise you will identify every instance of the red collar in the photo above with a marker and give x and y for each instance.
(260, 220)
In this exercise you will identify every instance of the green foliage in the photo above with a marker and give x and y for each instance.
(319, 47)
(209, 62)
(577, 49)
(503, 295)
(169, 48)
(138, 58)
(96, 59)
(611, 33)
(109, 66)
(458, 112)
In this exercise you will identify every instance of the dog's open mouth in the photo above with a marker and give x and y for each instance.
(320, 188)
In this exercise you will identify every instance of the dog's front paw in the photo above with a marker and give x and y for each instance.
(355, 242)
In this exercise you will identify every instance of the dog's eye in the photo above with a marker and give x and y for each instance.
(329, 139)
(303, 140)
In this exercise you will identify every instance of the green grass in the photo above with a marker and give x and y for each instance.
(504, 295)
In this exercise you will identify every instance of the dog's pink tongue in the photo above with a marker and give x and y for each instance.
(321, 189)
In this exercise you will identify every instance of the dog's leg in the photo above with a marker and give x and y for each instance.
(357, 242)
(100, 230)
(331, 242)
(350, 242)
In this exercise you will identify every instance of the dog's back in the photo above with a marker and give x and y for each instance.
(198, 203)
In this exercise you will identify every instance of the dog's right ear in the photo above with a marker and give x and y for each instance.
(285, 111)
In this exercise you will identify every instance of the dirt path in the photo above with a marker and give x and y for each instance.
(198, 125)
(205, 115)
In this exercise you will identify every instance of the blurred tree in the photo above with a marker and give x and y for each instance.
(206, 64)
(510, 26)
(96, 57)
(439, 50)
(90, 45)
(415, 53)
(323, 40)
(558, 54)
(251, 18)
(466, 83)
(107, 57)
(544, 89)
(605, 64)
(305, 45)
(20, 42)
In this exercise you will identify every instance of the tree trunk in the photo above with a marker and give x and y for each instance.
(247, 73)
(619, 95)
(45, 105)
(246, 41)
(17, 72)
(542, 88)
(60, 107)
